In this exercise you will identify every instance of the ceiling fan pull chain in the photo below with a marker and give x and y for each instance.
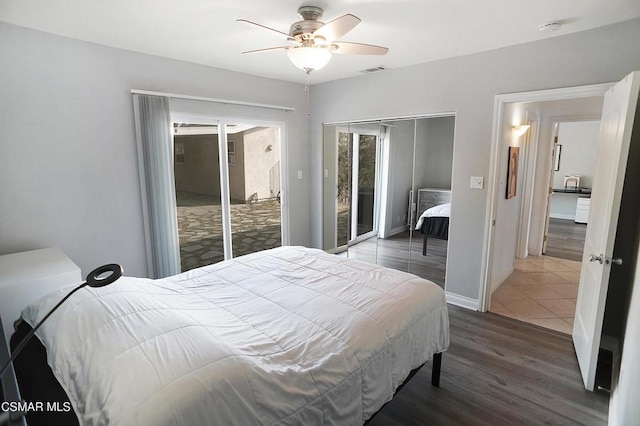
(307, 88)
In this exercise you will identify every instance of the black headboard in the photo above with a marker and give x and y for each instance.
(8, 384)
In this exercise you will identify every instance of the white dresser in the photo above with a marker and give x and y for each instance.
(26, 277)
(582, 209)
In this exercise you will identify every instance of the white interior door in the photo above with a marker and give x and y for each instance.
(612, 153)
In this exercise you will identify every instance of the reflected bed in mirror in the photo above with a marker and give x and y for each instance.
(371, 172)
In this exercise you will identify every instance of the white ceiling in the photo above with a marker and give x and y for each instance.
(206, 32)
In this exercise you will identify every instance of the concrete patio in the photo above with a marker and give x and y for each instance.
(254, 226)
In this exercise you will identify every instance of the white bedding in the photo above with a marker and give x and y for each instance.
(285, 336)
(441, 210)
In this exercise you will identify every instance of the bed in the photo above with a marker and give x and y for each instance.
(434, 222)
(290, 335)
(434, 207)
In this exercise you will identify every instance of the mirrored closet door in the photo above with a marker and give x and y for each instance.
(350, 214)
(387, 192)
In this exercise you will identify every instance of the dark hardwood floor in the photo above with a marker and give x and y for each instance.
(405, 254)
(498, 371)
(566, 239)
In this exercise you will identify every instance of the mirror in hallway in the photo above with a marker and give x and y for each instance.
(571, 180)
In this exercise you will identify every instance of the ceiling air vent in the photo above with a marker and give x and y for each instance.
(374, 69)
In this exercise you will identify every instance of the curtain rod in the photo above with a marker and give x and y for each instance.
(398, 118)
(216, 100)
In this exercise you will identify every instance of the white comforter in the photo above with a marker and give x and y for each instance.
(441, 210)
(286, 336)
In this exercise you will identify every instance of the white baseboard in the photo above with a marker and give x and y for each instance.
(462, 301)
(563, 216)
(497, 283)
(397, 230)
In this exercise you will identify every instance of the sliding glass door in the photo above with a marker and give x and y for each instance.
(228, 194)
(198, 194)
(253, 154)
(357, 175)
(364, 179)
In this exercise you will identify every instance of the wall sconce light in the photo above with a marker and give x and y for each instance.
(520, 130)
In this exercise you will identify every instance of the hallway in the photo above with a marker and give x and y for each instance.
(542, 290)
(566, 239)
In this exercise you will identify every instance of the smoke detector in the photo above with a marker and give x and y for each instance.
(549, 27)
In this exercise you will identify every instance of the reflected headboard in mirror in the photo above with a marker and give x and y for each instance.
(431, 197)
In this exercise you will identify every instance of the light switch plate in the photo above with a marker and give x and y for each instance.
(477, 182)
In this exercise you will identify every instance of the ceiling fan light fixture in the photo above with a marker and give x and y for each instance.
(309, 58)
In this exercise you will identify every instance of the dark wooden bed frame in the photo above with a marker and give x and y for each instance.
(434, 227)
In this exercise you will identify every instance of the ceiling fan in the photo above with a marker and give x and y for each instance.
(313, 42)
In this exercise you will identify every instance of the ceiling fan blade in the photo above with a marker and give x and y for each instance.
(268, 49)
(280, 33)
(358, 48)
(335, 29)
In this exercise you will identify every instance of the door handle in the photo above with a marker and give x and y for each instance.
(593, 258)
(616, 261)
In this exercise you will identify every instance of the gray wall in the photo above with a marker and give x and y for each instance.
(508, 210)
(67, 140)
(578, 153)
(467, 85)
(434, 152)
(577, 157)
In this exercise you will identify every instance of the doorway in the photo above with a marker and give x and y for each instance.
(522, 283)
(228, 190)
(571, 179)
(543, 289)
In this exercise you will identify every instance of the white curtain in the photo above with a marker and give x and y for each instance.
(155, 160)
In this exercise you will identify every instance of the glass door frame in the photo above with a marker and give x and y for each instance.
(353, 237)
(225, 200)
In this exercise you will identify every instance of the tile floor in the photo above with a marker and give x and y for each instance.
(542, 290)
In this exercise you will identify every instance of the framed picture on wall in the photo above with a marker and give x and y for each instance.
(512, 171)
